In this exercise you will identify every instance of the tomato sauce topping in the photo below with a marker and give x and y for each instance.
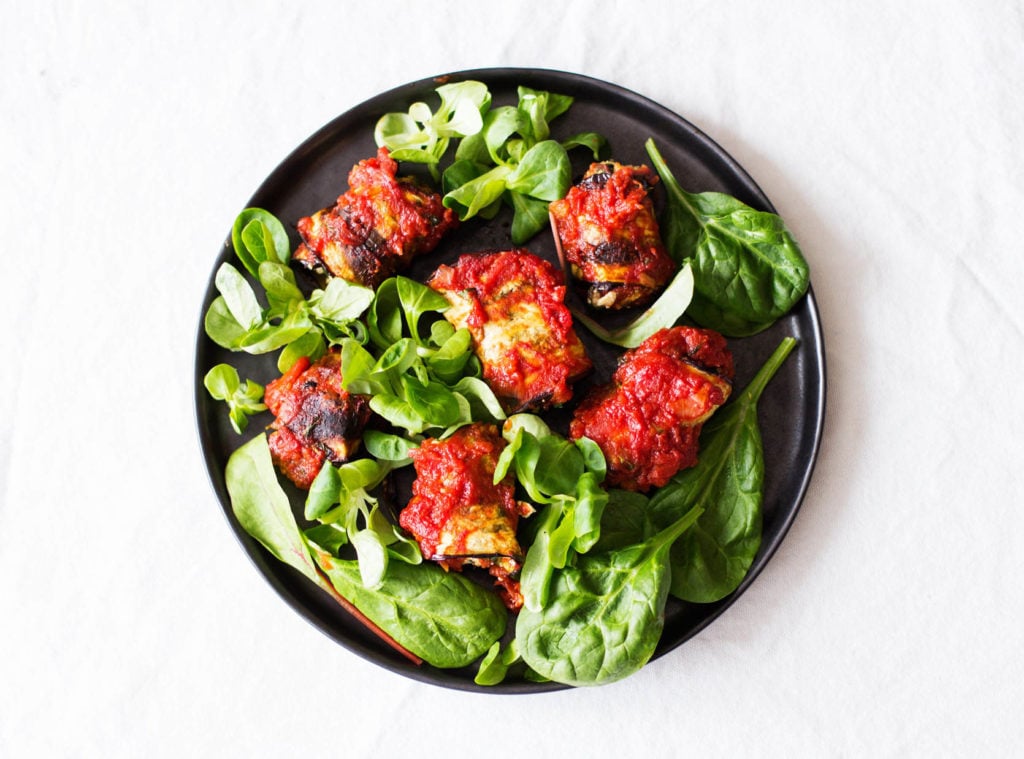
(458, 514)
(513, 304)
(609, 234)
(647, 421)
(315, 418)
(377, 226)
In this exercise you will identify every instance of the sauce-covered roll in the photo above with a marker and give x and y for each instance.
(459, 515)
(315, 419)
(512, 302)
(647, 420)
(376, 227)
(607, 232)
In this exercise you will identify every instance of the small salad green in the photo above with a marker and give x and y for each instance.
(505, 154)
(244, 399)
(565, 478)
(420, 377)
(290, 322)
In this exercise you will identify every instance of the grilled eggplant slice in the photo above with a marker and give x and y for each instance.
(512, 302)
(607, 232)
(315, 419)
(376, 227)
(648, 419)
(459, 515)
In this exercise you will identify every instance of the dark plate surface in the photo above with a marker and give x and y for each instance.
(791, 409)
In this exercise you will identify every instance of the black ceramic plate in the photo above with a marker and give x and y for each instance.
(792, 407)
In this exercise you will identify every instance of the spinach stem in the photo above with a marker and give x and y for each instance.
(767, 371)
(671, 533)
(669, 180)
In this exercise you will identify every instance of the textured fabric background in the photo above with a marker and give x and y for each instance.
(889, 136)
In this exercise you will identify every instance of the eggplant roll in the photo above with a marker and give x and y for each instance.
(376, 227)
(608, 234)
(315, 419)
(459, 515)
(648, 419)
(512, 302)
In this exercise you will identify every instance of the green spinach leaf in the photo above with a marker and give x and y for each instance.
(441, 616)
(625, 521)
(711, 560)
(263, 509)
(604, 615)
(495, 665)
(748, 269)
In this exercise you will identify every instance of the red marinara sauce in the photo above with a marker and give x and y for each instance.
(410, 217)
(609, 234)
(315, 418)
(648, 419)
(513, 303)
(450, 474)
(377, 226)
(459, 515)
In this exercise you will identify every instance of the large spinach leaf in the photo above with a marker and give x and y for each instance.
(422, 611)
(711, 560)
(747, 268)
(605, 615)
(625, 521)
(263, 509)
(442, 616)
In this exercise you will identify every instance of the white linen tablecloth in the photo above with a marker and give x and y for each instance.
(888, 135)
